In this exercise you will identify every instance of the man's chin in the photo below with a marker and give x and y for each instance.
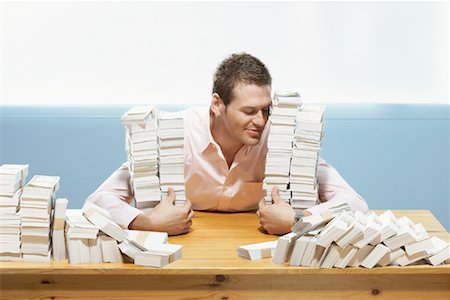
(251, 141)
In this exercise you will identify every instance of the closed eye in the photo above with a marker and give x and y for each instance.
(250, 112)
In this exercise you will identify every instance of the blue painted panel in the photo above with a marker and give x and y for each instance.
(395, 156)
(393, 164)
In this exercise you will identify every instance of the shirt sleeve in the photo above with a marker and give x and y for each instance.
(115, 196)
(334, 190)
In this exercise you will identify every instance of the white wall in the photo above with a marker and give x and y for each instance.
(135, 52)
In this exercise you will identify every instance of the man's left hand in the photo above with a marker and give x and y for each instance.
(277, 218)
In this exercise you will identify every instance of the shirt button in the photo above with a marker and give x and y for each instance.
(228, 192)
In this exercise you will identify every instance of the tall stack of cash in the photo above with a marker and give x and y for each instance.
(307, 143)
(282, 125)
(36, 203)
(171, 154)
(141, 145)
(12, 179)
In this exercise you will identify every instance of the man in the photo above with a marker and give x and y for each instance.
(225, 155)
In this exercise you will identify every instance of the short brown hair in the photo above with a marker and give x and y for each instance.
(239, 68)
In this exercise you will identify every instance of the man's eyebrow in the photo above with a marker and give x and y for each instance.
(256, 107)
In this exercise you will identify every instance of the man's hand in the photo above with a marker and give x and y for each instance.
(166, 217)
(277, 218)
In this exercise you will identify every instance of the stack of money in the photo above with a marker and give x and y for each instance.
(142, 149)
(282, 125)
(307, 143)
(10, 238)
(80, 236)
(110, 249)
(36, 203)
(58, 241)
(12, 179)
(171, 154)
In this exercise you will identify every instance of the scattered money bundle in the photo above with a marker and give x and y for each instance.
(282, 120)
(36, 204)
(171, 154)
(307, 144)
(257, 251)
(12, 179)
(346, 239)
(142, 148)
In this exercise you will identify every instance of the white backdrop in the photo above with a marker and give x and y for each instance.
(83, 53)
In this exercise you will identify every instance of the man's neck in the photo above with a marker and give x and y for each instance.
(222, 137)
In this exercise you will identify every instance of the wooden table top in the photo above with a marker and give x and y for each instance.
(210, 248)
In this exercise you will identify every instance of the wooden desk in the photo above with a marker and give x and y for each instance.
(211, 269)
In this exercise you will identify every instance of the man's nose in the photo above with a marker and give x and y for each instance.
(259, 119)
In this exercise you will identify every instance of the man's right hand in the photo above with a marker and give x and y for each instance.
(166, 217)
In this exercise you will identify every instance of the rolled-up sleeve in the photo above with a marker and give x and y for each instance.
(334, 190)
(115, 195)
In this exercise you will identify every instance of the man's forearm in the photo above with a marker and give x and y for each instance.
(142, 222)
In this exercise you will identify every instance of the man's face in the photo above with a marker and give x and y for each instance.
(247, 113)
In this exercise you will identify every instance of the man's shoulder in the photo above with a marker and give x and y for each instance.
(196, 111)
(196, 116)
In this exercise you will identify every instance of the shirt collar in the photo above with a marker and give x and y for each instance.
(206, 136)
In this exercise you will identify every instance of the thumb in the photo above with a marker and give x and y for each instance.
(261, 204)
(170, 196)
(276, 195)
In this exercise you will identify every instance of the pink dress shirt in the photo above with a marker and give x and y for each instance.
(211, 185)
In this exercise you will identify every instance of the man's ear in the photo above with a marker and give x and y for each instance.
(216, 104)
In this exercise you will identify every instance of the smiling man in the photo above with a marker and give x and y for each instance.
(225, 155)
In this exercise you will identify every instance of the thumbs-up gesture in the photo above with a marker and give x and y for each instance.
(277, 218)
(166, 217)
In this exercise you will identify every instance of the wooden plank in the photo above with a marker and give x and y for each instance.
(234, 286)
(262, 267)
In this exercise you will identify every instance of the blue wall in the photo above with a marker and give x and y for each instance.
(395, 156)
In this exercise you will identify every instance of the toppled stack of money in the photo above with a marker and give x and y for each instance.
(142, 247)
(12, 179)
(282, 125)
(350, 239)
(171, 154)
(307, 143)
(142, 148)
(85, 241)
(36, 204)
